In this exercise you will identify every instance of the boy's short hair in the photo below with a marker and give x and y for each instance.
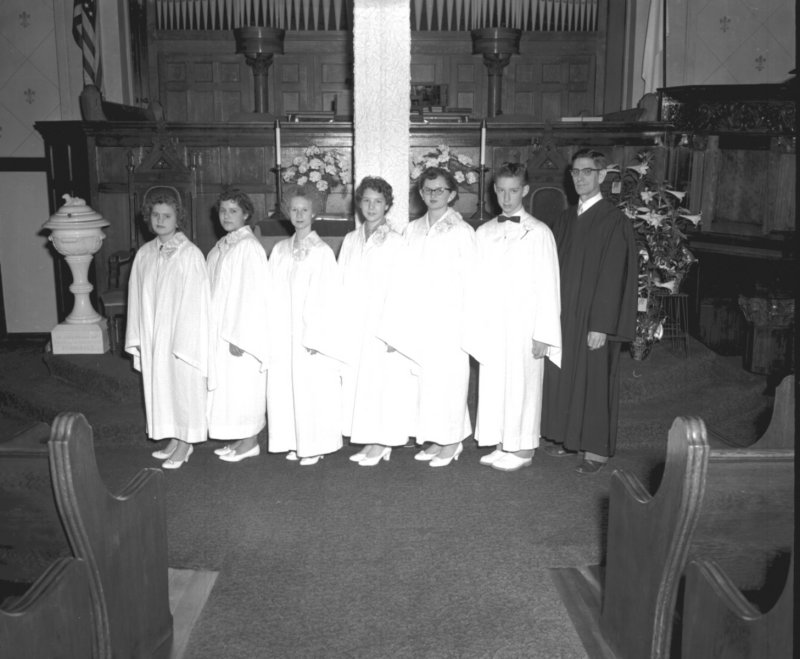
(433, 173)
(599, 158)
(241, 199)
(379, 185)
(163, 194)
(513, 170)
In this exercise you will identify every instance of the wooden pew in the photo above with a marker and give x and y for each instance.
(719, 623)
(780, 432)
(120, 539)
(54, 618)
(733, 506)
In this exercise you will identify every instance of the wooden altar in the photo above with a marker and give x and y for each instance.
(110, 164)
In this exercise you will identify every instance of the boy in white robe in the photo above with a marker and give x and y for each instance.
(516, 323)
(304, 385)
(168, 330)
(426, 318)
(239, 276)
(377, 382)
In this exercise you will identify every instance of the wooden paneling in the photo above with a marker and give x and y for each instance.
(200, 78)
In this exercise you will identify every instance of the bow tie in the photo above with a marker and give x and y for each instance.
(513, 218)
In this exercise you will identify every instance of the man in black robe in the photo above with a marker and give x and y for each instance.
(597, 260)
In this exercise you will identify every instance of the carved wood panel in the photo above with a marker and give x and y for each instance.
(200, 78)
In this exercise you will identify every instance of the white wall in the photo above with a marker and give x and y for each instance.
(715, 42)
(718, 42)
(28, 285)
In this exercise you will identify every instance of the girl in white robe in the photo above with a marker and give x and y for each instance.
(167, 330)
(376, 381)
(304, 385)
(426, 318)
(239, 275)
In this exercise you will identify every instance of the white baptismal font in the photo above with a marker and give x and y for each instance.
(76, 233)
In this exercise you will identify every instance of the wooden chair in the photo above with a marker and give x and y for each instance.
(547, 172)
(114, 300)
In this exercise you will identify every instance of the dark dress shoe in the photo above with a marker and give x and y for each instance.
(589, 467)
(557, 451)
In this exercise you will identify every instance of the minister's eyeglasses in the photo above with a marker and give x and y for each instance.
(434, 192)
(586, 171)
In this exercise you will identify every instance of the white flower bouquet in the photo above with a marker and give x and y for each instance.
(462, 167)
(324, 170)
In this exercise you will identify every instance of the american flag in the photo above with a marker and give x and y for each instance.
(84, 19)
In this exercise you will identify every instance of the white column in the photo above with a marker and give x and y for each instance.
(382, 78)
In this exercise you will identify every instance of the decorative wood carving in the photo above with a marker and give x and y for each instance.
(726, 108)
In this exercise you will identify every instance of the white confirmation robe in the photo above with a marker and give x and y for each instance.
(378, 387)
(426, 318)
(168, 334)
(239, 275)
(304, 384)
(516, 299)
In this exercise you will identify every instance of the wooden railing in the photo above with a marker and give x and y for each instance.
(445, 15)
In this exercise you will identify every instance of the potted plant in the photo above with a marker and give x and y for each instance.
(660, 222)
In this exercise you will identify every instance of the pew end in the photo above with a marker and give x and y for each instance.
(647, 544)
(59, 602)
(780, 431)
(101, 571)
(122, 536)
(720, 623)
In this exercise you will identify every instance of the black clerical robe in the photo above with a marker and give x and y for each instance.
(597, 259)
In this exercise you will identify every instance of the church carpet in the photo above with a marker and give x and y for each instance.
(398, 560)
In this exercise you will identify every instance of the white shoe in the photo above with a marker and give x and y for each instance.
(223, 450)
(164, 453)
(385, 454)
(425, 456)
(292, 455)
(233, 456)
(176, 464)
(358, 457)
(310, 462)
(511, 462)
(492, 457)
(443, 462)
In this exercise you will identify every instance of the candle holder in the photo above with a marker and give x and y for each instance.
(259, 45)
(277, 213)
(497, 45)
(479, 217)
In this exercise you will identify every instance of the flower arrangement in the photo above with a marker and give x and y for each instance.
(323, 169)
(462, 167)
(659, 221)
